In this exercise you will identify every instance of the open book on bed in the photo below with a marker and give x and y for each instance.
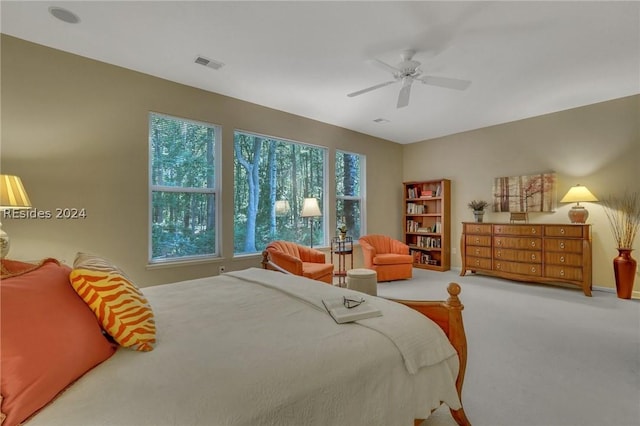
(349, 308)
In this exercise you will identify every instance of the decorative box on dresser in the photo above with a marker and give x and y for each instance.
(548, 253)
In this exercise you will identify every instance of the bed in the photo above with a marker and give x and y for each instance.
(257, 347)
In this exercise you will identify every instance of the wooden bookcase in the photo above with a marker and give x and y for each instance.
(427, 229)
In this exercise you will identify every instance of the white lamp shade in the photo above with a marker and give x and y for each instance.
(12, 193)
(282, 207)
(310, 208)
(577, 194)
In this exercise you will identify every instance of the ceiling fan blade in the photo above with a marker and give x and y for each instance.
(449, 83)
(369, 89)
(403, 97)
(385, 66)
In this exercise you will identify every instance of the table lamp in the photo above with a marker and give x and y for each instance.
(12, 197)
(577, 194)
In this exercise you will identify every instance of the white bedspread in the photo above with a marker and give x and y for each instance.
(254, 348)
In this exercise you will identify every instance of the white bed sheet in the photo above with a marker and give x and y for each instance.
(233, 350)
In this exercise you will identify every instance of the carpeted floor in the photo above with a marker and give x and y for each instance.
(540, 355)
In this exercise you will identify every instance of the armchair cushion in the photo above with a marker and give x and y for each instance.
(300, 260)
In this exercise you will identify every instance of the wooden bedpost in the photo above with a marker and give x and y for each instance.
(448, 315)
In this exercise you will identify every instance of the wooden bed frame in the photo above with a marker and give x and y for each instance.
(447, 314)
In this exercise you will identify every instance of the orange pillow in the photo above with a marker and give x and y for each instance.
(49, 339)
(11, 268)
(118, 304)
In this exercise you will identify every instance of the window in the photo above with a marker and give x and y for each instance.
(272, 177)
(184, 188)
(350, 192)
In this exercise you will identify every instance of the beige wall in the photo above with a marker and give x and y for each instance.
(76, 131)
(597, 146)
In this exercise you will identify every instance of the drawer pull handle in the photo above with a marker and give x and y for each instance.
(477, 251)
(562, 244)
(533, 269)
(499, 242)
(498, 253)
(533, 243)
(562, 272)
(477, 263)
(562, 259)
(533, 257)
(562, 231)
(477, 240)
(533, 230)
(497, 266)
(477, 229)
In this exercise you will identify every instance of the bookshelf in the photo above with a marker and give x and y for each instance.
(427, 229)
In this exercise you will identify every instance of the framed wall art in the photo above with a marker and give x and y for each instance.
(527, 193)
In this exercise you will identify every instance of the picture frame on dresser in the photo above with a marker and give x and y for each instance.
(541, 253)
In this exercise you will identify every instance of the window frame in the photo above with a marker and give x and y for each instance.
(216, 191)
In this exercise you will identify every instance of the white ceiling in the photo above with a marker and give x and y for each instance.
(524, 58)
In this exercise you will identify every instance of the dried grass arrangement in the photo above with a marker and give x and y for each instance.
(623, 213)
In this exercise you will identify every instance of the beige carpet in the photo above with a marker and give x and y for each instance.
(540, 355)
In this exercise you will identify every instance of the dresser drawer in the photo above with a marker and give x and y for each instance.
(557, 258)
(517, 255)
(532, 269)
(479, 251)
(518, 243)
(563, 272)
(478, 263)
(564, 231)
(562, 245)
(477, 228)
(478, 240)
(517, 230)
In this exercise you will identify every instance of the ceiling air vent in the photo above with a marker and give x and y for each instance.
(208, 62)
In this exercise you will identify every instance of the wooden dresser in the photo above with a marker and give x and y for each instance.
(546, 253)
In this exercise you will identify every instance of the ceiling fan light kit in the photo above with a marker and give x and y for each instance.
(408, 71)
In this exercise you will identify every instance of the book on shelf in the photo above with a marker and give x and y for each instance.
(426, 193)
(428, 242)
(341, 314)
(414, 208)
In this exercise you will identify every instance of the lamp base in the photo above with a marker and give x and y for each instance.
(578, 214)
(4, 243)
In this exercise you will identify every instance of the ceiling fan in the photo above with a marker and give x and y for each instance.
(407, 72)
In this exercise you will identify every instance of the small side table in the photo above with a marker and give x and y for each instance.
(342, 247)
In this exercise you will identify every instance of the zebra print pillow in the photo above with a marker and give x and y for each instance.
(118, 304)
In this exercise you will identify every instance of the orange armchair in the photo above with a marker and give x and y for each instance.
(388, 257)
(300, 260)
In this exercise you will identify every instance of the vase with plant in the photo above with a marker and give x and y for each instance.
(623, 213)
(478, 209)
(342, 231)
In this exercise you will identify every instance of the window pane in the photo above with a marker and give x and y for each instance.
(349, 171)
(348, 213)
(348, 174)
(182, 153)
(183, 224)
(268, 172)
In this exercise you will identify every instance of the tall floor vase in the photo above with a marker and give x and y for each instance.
(624, 268)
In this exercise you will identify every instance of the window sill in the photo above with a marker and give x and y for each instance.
(185, 262)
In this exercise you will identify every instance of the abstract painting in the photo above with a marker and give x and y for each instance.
(528, 193)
